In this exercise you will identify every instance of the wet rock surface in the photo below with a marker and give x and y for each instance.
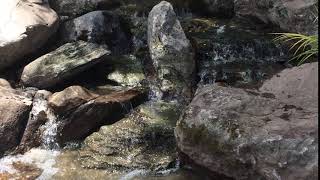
(24, 27)
(14, 110)
(247, 134)
(171, 52)
(143, 140)
(63, 63)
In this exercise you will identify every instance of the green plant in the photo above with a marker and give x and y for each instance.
(305, 46)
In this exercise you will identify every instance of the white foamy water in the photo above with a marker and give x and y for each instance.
(44, 157)
(50, 128)
(221, 29)
(41, 158)
(49, 137)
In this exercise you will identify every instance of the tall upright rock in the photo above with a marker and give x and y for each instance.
(171, 52)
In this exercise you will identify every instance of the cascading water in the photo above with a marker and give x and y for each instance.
(43, 158)
(49, 137)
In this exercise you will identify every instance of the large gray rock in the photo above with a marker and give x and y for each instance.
(143, 140)
(14, 110)
(289, 15)
(247, 134)
(24, 27)
(62, 63)
(100, 27)
(171, 52)
(84, 111)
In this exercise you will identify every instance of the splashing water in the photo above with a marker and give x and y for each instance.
(171, 170)
(50, 128)
(49, 137)
(41, 158)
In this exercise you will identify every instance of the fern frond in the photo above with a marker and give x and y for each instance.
(307, 44)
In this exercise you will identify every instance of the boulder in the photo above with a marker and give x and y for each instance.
(171, 52)
(249, 134)
(14, 110)
(62, 63)
(24, 27)
(83, 111)
(143, 140)
(100, 27)
(289, 15)
(66, 101)
(297, 86)
(38, 116)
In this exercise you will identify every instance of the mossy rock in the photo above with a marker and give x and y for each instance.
(143, 140)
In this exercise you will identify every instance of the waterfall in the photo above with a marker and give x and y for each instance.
(50, 128)
(49, 137)
(45, 156)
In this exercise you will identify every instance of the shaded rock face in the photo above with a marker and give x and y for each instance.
(100, 27)
(232, 52)
(217, 8)
(24, 27)
(73, 8)
(38, 116)
(170, 51)
(81, 111)
(63, 63)
(14, 110)
(289, 15)
(246, 134)
(143, 140)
